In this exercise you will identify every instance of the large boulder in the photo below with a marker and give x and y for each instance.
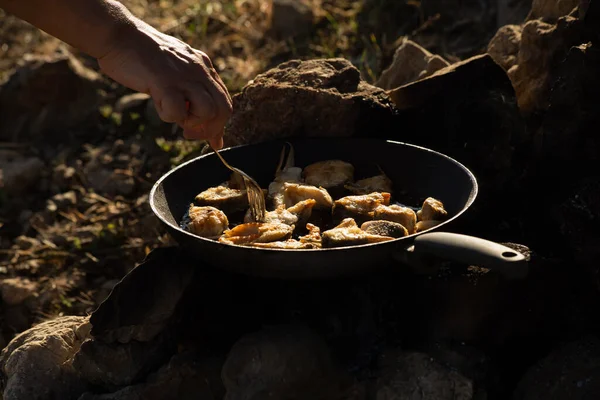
(466, 110)
(47, 95)
(413, 375)
(570, 372)
(543, 47)
(19, 173)
(324, 97)
(37, 364)
(133, 311)
(504, 46)
(410, 63)
(183, 378)
(283, 362)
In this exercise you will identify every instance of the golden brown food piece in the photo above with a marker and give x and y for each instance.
(257, 232)
(296, 215)
(207, 221)
(280, 215)
(432, 210)
(328, 173)
(287, 244)
(385, 228)
(294, 193)
(347, 233)
(395, 213)
(224, 198)
(424, 225)
(378, 183)
(360, 208)
(313, 236)
(303, 210)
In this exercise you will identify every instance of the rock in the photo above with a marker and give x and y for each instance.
(570, 372)
(49, 347)
(566, 141)
(324, 97)
(504, 46)
(15, 291)
(577, 216)
(292, 18)
(131, 102)
(47, 95)
(111, 365)
(283, 362)
(543, 47)
(131, 109)
(412, 375)
(551, 10)
(447, 110)
(183, 378)
(18, 175)
(105, 180)
(411, 62)
(152, 116)
(133, 311)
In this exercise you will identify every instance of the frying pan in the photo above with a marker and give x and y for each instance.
(415, 170)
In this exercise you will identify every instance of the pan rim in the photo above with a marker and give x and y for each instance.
(470, 200)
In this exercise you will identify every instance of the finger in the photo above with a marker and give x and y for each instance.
(214, 127)
(197, 133)
(201, 106)
(170, 105)
(216, 143)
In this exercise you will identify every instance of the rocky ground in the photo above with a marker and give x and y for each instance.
(508, 88)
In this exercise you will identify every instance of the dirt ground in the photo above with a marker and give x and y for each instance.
(68, 239)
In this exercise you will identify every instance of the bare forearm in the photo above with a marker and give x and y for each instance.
(92, 26)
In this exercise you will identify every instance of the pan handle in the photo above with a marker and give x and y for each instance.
(473, 251)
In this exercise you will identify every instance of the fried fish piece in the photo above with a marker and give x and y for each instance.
(287, 244)
(280, 214)
(257, 232)
(208, 222)
(360, 207)
(303, 210)
(432, 210)
(313, 236)
(296, 215)
(385, 228)
(224, 198)
(328, 174)
(294, 193)
(378, 183)
(395, 213)
(424, 225)
(347, 233)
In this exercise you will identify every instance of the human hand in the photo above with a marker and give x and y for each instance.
(185, 87)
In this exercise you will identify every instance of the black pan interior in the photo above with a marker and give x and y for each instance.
(416, 172)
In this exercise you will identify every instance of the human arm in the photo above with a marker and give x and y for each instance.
(139, 57)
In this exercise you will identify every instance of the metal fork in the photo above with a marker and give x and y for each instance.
(256, 197)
